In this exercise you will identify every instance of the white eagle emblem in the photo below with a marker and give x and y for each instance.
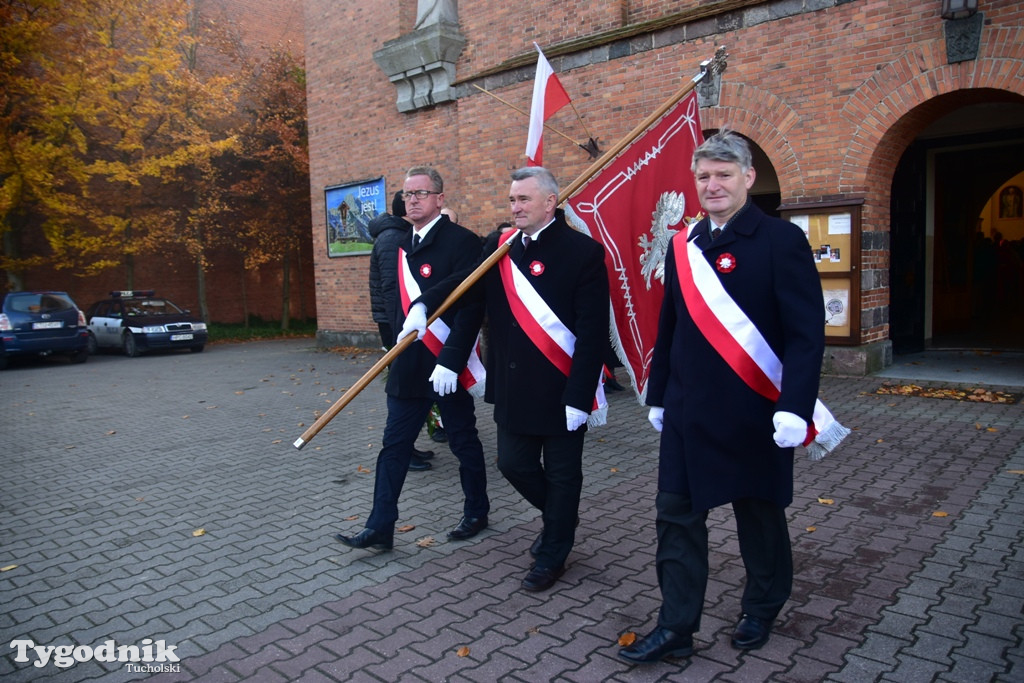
(670, 210)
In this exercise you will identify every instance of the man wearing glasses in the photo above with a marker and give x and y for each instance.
(442, 369)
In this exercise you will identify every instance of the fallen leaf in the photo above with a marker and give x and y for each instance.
(199, 532)
(362, 469)
(879, 440)
(406, 527)
(1015, 471)
(426, 542)
(627, 639)
(139, 500)
(184, 417)
(615, 469)
(8, 568)
(812, 529)
(940, 513)
(277, 441)
(301, 424)
(991, 429)
(826, 501)
(352, 518)
(462, 651)
(111, 432)
(239, 393)
(977, 425)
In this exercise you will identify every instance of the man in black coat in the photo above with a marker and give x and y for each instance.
(543, 388)
(389, 232)
(436, 248)
(722, 441)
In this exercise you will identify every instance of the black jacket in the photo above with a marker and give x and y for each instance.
(388, 233)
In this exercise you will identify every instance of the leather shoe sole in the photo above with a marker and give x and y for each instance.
(657, 645)
(541, 578)
(367, 539)
(422, 455)
(751, 633)
(468, 528)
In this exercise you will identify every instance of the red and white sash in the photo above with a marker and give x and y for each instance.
(545, 330)
(735, 337)
(473, 377)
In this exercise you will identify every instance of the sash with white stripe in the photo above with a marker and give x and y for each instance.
(473, 377)
(735, 337)
(545, 330)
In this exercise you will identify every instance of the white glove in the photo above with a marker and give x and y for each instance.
(445, 381)
(790, 429)
(656, 417)
(416, 321)
(574, 418)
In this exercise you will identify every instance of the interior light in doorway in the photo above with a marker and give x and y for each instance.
(959, 9)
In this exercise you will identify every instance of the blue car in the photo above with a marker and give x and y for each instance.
(41, 324)
(136, 321)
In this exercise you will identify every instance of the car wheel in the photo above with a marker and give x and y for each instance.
(131, 349)
(196, 349)
(79, 356)
(93, 346)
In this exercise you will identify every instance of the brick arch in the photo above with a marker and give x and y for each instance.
(765, 119)
(892, 107)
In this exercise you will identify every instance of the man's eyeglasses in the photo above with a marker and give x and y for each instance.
(418, 194)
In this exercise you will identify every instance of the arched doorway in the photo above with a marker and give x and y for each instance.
(947, 288)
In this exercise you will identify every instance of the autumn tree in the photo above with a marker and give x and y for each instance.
(270, 193)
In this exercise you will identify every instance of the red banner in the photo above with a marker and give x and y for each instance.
(633, 207)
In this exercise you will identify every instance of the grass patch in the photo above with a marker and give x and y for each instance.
(260, 329)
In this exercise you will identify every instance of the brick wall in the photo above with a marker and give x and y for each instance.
(832, 90)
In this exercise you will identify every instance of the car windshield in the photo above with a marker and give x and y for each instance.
(152, 307)
(39, 303)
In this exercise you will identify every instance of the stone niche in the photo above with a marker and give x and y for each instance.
(421, 64)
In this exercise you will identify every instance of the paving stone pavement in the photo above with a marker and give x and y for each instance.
(110, 468)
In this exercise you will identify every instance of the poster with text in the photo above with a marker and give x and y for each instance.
(350, 208)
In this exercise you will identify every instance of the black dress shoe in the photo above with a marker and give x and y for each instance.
(368, 538)
(422, 455)
(751, 633)
(657, 645)
(541, 578)
(468, 528)
(418, 464)
(439, 435)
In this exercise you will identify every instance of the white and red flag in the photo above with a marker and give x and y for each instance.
(633, 207)
(548, 97)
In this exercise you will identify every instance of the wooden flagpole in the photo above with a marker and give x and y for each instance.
(714, 65)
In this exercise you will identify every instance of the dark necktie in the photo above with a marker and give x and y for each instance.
(519, 249)
(715, 233)
(415, 241)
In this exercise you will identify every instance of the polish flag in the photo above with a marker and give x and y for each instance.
(548, 97)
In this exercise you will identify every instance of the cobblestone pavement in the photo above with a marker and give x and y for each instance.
(907, 541)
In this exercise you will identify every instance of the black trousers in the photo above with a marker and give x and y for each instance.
(682, 559)
(404, 421)
(548, 472)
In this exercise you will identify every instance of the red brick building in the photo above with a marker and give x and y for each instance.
(894, 133)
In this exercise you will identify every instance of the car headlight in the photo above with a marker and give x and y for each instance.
(153, 329)
(199, 327)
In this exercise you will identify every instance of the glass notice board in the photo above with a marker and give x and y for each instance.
(833, 232)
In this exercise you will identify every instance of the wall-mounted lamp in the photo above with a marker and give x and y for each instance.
(959, 9)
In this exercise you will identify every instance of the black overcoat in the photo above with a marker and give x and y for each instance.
(717, 441)
(448, 248)
(528, 392)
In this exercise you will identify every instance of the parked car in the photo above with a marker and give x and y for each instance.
(41, 324)
(136, 321)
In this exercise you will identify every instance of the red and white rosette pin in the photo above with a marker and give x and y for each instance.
(536, 268)
(725, 263)
(426, 270)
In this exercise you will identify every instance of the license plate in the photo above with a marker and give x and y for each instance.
(50, 325)
(180, 337)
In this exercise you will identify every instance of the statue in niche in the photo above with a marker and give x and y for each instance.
(430, 12)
